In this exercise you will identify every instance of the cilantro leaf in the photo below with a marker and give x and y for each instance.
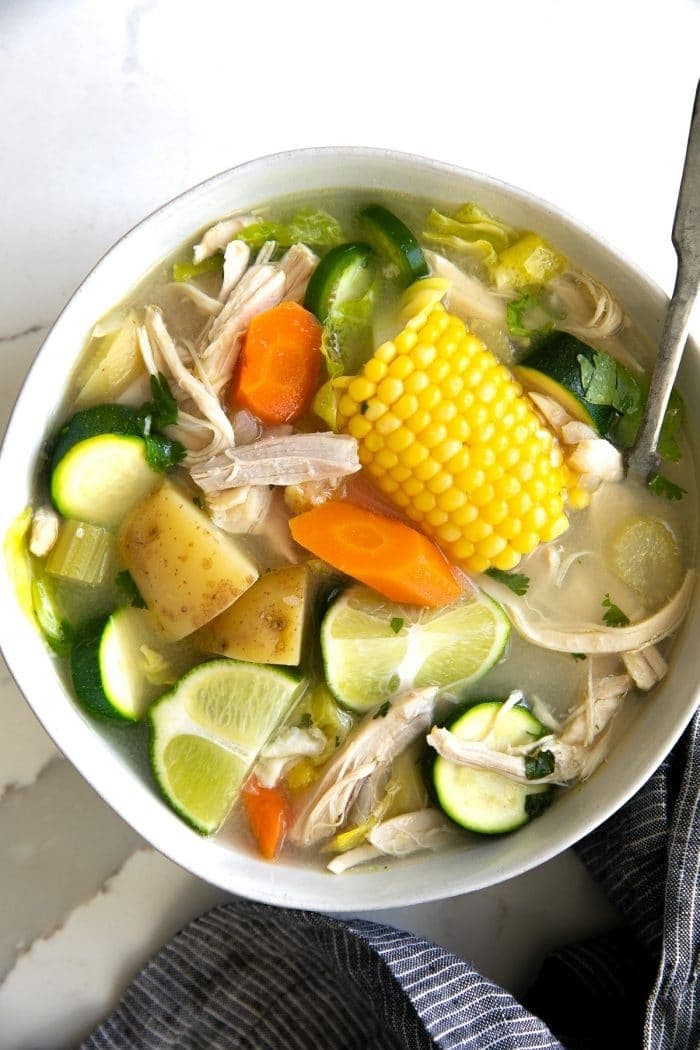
(164, 404)
(606, 382)
(664, 487)
(539, 765)
(578, 656)
(517, 582)
(613, 616)
(162, 453)
(306, 721)
(396, 624)
(382, 711)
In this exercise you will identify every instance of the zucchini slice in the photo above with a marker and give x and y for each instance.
(108, 666)
(101, 479)
(343, 274)
(393, 240)
(477, 800)
(554, 369)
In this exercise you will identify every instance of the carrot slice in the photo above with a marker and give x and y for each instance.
(268, 813)
(278, 368)
(394, 559)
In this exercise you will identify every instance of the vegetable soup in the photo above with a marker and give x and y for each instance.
(337, 508)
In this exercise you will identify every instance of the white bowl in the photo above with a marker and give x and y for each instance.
(105, 755)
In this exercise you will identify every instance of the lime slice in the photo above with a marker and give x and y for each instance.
(373, 648)
(207, 732)
(645, 556)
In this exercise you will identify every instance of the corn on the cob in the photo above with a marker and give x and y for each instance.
(446, 433)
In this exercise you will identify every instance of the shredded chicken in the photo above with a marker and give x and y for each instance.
(591, 310)
(646, 666)
(594, 458)
(239, 510)
(219, 235)
(200, 299)
(367, 752)
(205, 434)
(288, 747)
(298, 263)
(290, 459)
(45, 526)
(594, 638)
(398, 837)
(236, 260)
(300, 498)
(260, 288)
(468, 297)
(578, 749)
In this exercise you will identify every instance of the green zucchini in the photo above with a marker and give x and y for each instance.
(478, 800)
(100, 480)
(344, 274)
(556, 369)
(393, 241)
(108, 667)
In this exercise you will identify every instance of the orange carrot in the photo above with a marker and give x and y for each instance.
(394, 559)
(268, 814)
(279, 364)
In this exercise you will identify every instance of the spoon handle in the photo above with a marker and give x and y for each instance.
(643, 458)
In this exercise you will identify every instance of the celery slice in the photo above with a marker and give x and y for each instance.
(83, 553)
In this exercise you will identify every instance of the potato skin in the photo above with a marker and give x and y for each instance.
(266, 624)
(185, 568)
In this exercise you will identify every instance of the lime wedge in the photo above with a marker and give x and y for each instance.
(373, 648)
(207, 732)
(645, 556)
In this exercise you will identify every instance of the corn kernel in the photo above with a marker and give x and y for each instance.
(401, 367)
(361, 389)
(399, 439)
(375, 370)
(437, 517)
(359, 427)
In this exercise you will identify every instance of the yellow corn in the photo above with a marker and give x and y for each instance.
(445, 432)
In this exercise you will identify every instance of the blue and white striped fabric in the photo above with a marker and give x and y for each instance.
(247, 975)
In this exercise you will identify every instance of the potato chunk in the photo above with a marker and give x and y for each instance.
(185, 568)
(266, 624)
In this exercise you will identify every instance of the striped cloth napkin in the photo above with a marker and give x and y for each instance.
(249, 975)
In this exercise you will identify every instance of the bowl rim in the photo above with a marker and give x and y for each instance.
(249, 885)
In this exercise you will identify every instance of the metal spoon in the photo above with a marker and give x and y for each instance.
(642, 459)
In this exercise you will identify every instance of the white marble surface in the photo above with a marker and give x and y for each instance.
(107, 110)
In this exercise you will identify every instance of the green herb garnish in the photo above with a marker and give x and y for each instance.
(163, 408)
(578, 656)
(606, 382)
(396, 624)
(199, 502)
(539, 765)
(517, 582)
(162, 453)
(613, 615)
(306, 721)
(382, 711)
(664, 487)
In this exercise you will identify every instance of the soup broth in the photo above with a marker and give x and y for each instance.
(337, 508)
